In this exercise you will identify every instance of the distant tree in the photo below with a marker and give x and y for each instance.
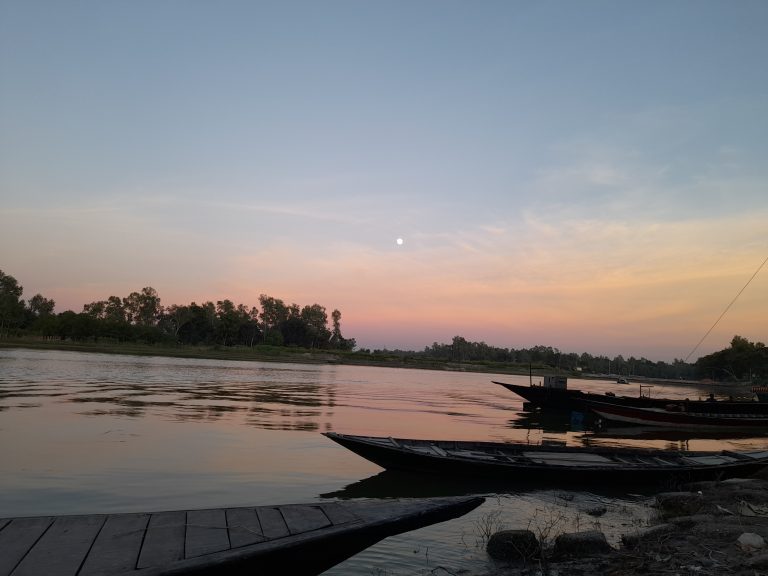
(316, 319)
(173, 318)
(337, 340)
(273, 312)
(143, 308)
(114, 309)
(95, 309)
(248, 331)
(296, 332)
(39, 314)
(236, 324)
(200, 327)
(11, 304)
(741, 361)
(40, 306)
(459, 349)
(72, 326)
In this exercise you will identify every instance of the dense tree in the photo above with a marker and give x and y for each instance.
(273, 313)
(743, 360)
(173, 318)
(296, 332)
(11, 304)
(40, 315)
(337, 341)
(316, 319)
(143, 308)
(39, 306)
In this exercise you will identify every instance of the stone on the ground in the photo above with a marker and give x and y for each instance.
(513, 545)
(580, 544)
(750, 541)
(679, 503)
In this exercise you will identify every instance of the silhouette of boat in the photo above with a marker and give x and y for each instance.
(523, 462)
(699, 415)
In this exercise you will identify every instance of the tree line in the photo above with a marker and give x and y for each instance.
(742, 361)
(140, 317)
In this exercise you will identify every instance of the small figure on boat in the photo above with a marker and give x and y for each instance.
(711, 397)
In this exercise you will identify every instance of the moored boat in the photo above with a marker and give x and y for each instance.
(685, 414)
(523, 462)
(300, 539)
(563, 398)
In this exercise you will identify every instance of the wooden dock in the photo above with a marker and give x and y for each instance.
(291, 539)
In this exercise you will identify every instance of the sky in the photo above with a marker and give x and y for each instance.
(591, 175)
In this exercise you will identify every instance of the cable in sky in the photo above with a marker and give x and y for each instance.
(726, 309)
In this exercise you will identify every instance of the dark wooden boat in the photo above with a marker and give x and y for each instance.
(523, 462)
(562, 398)
(696, 415)
(296, 539)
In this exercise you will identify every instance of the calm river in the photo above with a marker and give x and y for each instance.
(89, 433)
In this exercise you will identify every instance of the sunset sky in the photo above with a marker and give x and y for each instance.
(589, 175)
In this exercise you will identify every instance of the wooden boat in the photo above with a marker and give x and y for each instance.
(294, 539)
(562, 398)
(522, 462)
(556, 398)
(698, 415)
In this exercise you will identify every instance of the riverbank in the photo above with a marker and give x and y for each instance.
(706, 529)
(266, 353)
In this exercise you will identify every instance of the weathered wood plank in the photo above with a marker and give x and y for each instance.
(272, 523)
(164, 541)
(63, 547)
(300, 519)
(244, 527)
(337, 514)
(117, 546)
(206, 532)
(17, 537)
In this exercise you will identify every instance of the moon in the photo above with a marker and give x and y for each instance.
(399, 241)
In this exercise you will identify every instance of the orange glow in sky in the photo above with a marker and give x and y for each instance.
(496, 172)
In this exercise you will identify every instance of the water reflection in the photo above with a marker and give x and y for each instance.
(407, 403)
(398, 484)
(554, 420)
(279, 397)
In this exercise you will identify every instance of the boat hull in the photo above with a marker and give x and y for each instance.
(564, 399)
(679, 416)
(523, 463)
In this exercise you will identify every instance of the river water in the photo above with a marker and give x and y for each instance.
(92, 433)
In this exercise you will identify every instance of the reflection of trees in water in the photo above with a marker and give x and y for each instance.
(132, 412)
(292, 425)
(286, 405)
(553, 421)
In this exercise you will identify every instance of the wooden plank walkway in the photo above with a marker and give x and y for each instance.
(202, 541)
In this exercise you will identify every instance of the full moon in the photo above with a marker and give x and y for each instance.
(399, 241)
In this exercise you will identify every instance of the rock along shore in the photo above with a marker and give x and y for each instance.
(707, 529)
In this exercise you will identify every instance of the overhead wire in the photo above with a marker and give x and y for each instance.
(726, 309)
